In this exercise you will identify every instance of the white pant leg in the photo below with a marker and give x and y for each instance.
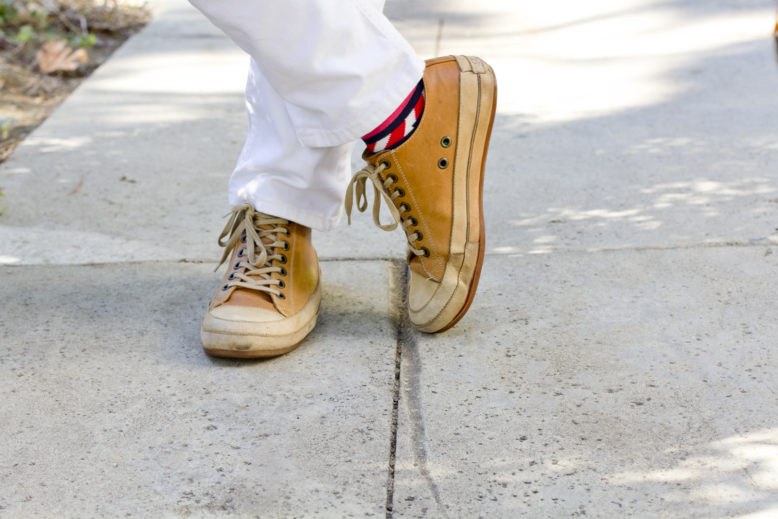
(280, 176)
(340, 65)
(324, 73)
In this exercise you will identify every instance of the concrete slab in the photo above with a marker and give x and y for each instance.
(612, 384)
(111, 409)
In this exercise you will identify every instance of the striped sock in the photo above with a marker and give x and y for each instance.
(400, 125)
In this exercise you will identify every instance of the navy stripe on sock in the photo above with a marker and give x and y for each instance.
(410, 106)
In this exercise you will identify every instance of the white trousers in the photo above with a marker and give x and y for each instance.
(323, 73)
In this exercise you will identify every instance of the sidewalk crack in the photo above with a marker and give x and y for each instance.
(407, 383)
(398, 315)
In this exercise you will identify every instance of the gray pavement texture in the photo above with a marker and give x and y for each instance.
(620, 357)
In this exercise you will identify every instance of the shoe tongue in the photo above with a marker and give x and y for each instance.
(251, 298)
(255, 298)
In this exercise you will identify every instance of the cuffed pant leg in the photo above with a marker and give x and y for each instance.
(280, 176)
(323, 74)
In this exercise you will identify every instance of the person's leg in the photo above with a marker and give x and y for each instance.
(319, 70)
(336, 91)
(279, 175)
(269, 298)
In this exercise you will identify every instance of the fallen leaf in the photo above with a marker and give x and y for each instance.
(56, 55)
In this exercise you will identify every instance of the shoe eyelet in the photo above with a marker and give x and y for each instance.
(445, 141)
(231, 276)
(404, 207)
(414, 221)
(385, 163)
(443, 163)
(225, 288)
(419, 236)
(240, 253)
(281, 284)
(400, 192)
(426, 252)
(281, 296)
(283, 259)
(243, 237)
(283, 271)
(236, 266)
(393, 178)
(286, 245)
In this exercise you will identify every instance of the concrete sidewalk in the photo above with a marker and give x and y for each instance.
(619, 360)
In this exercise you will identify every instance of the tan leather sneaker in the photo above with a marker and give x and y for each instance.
(433, 183)
(269, 300)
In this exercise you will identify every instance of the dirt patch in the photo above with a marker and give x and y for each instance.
(47, 48)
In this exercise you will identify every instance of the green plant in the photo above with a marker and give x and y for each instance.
(8, 12)
(83, 41)
(24, 34)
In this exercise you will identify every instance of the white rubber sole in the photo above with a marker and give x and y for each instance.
(248, 340)
(439, 306)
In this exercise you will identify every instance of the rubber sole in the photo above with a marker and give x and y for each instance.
(473, 287)
(269, 340)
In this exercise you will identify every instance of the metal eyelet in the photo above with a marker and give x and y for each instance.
(385, 163)
(283, 259)
(225, 288)
(426, 252)
(240, 252)
(281, 296)
(243, 237)
(445, 141)
(419, 236)
(281, 284)
(283, 271)
(393, 178)
(414, 221)
(286, 245)
(231, 276)
(404, 207)
(443, 163)
(400, 192)
(236, 266)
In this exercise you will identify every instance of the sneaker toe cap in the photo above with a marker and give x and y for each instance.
(246, 314)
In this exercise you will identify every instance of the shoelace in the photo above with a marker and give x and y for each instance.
(356, 189)
(245, 226)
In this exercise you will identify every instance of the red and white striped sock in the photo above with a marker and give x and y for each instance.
(400, 125)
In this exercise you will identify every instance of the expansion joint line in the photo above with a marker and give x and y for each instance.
(407, 383)
(398, 286)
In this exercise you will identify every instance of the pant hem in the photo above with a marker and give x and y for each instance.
(316, 221)
(365, 122)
